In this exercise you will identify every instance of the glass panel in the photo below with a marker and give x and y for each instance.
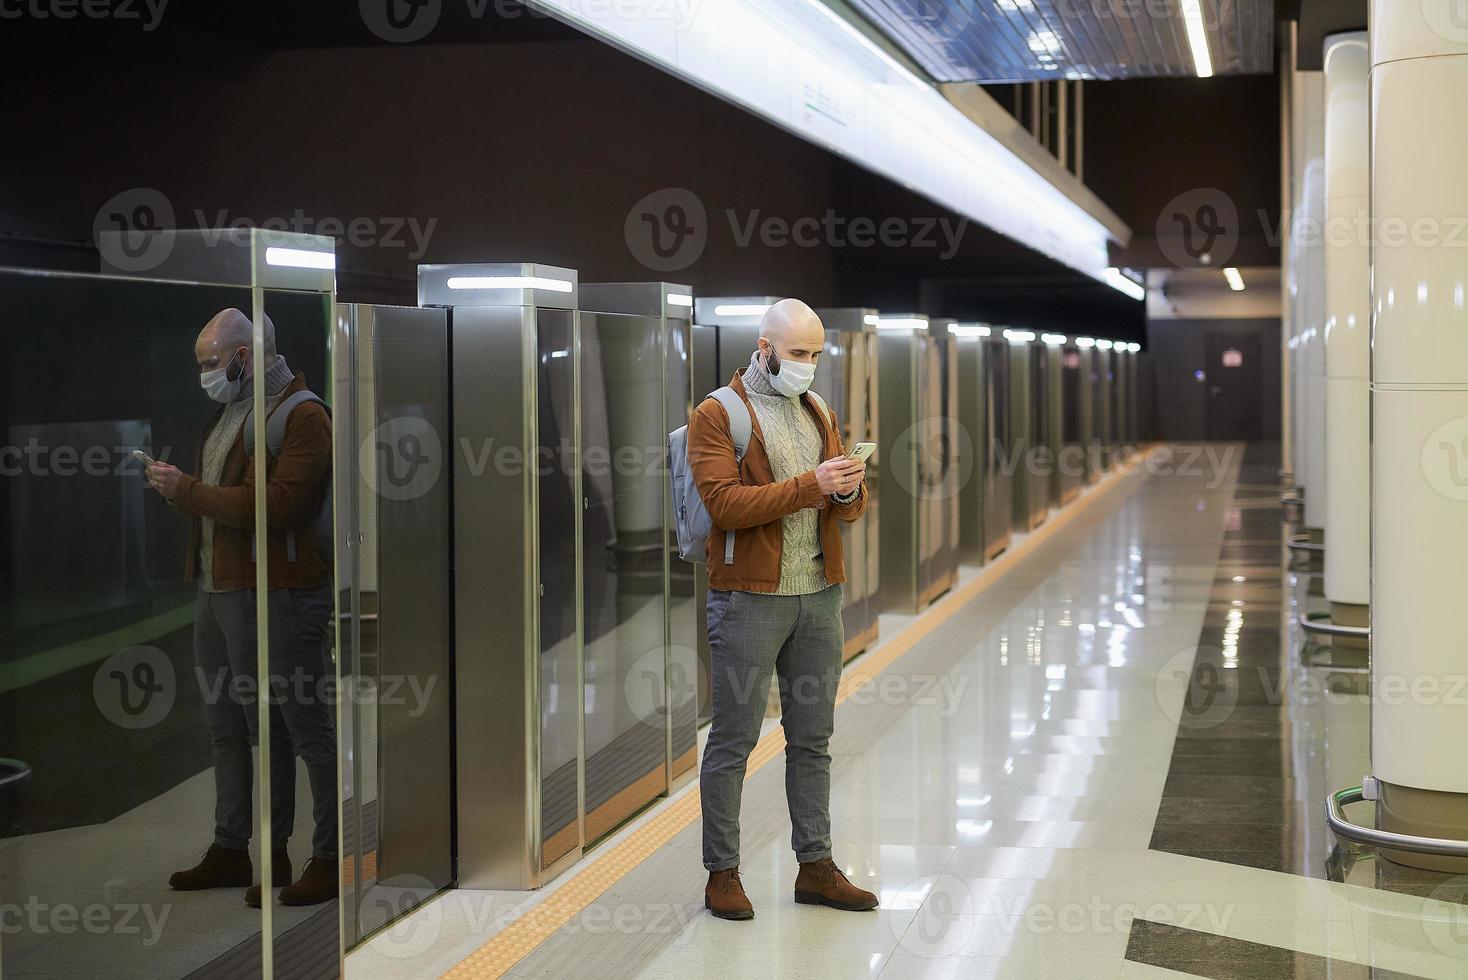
(114, 731)
(399, 850)
(684, 628)
(623, 551)
(301, 640)
(560, 668)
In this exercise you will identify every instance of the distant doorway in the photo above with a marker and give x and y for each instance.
(1233, 381)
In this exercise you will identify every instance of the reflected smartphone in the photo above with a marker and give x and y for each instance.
(143, 458)
(862, 451)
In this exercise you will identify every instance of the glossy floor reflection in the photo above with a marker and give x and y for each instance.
(1028, 792)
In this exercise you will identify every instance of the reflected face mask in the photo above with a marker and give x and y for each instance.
(217, 384)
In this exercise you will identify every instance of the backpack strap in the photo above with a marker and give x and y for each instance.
(275, 424)
(276, 421)
(824, 408)
(741, 428)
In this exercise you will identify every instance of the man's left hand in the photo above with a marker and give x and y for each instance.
(164, 478)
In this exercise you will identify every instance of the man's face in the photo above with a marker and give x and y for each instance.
(803, 343)
(212, 352)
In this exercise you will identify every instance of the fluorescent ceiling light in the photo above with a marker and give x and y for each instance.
(968, 330)
(870, 319)
(1053, 339)
(1019, 336)
(299, 258)
(1085, 343)
(901, 323)
(680, 299)
(864, 104)
(1122, 282)
(1235, 281)
(509, 282)
(1104, 345)
(1197, 37)
(741, 309)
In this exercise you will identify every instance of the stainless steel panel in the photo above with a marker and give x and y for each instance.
(1101, 404)
(517, 516)
(896, 464)
(1118, 404)
(916, 469)
(1000, 459)
(1064, 424)
(1028, 408)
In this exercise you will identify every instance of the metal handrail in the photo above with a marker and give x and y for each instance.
(1335, 818)
(1302, 542)
(1320, 623)
(21, 774)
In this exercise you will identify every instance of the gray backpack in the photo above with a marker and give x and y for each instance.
(689, 513)
(324, 521)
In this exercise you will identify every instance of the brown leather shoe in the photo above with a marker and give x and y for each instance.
(822, 883)
(724, 895)
(221, 867)
(319, 882)
(280, 876)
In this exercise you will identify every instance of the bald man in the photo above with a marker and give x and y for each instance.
(220, 504)
(776, 607)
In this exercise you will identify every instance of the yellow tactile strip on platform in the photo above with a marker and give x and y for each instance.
(501, 953)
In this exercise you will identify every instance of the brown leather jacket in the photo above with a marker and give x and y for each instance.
(297, 479)
(745, 498)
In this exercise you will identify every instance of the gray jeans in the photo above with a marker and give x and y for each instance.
(302, 712)
(751, 636)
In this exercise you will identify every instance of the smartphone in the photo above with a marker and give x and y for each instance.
(862, 451)
(143, 458)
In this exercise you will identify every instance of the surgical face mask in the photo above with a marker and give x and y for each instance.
(217, 384)
(789, 378)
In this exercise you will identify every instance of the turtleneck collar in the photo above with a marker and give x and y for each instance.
(756, 379)
(277, 377)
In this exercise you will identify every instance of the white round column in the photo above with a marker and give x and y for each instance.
(1419, 501)
(1310, 298)
(1347, 338)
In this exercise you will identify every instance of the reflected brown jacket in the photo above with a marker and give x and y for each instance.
(296, 479)
(744, 498)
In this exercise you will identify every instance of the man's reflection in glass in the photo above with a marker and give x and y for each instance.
(219, 500)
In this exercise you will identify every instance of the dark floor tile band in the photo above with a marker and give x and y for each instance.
(1203, 954)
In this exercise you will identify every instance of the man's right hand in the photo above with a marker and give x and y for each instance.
(839, 475)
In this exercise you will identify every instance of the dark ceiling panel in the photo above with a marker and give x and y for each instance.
(1028, 40)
